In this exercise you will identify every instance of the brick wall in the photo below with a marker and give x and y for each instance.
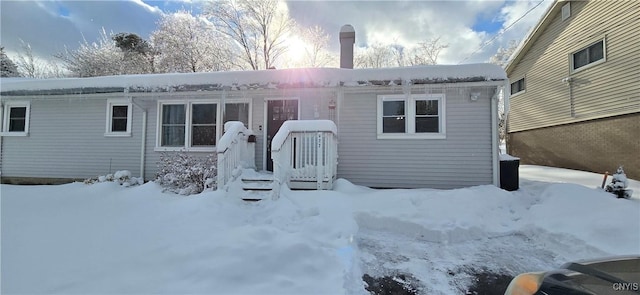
(597, 145)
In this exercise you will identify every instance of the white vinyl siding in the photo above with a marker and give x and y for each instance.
(118, 118)
(462, 159)
(16, 118)
(66, 140)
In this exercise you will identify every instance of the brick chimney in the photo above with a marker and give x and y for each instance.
(347, 40)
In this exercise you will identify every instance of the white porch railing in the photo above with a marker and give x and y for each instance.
(235, 152)
(305, 154)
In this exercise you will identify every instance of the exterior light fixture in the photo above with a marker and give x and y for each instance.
(332, 105)
(475, 96)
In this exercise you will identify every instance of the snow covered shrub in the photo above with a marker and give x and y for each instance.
(185, 174)
(122, 177)
(618, 185)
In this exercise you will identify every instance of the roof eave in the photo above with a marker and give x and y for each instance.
(533, 35)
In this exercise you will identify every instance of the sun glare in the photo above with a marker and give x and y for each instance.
(296, 48)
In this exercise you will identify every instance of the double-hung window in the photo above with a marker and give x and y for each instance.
(16, 119)
(411, 116)
(203, 124)
(237, 111)
(594, 53)
(118, 118)
(187, 125)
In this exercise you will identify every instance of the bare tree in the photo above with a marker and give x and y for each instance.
(317, 52)
(187, 43)
(99, 58)
(258, 28)
(376, 56)
(396, 55)
(33, 67)
(503, 55)
(427, 52)
(501, 58)
(26, 61)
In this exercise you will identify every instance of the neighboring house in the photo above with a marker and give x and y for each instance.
(431, 126)
(575, 88)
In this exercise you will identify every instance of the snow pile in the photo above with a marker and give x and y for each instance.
(619, 184)
(122, 177)
(231, 129)
(107, 239)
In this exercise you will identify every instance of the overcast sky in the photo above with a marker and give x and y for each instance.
(465, 26)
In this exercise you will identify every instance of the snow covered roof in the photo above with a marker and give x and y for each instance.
(264, 79)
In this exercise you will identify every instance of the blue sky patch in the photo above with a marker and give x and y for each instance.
(173, 6)
(489, 26)
(63, 11)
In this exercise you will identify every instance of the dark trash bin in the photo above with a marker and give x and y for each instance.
(509, 175)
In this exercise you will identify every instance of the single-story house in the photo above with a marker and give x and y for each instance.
(430, 126)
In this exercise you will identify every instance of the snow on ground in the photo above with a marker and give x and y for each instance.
(104, 238)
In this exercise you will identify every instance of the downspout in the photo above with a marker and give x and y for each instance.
(1, 126)
(494, 137)
(143, 144)
(506, 97)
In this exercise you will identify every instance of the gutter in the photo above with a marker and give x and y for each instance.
(143, 145)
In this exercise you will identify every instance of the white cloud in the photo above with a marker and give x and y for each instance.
(403, 22)
(40, 23)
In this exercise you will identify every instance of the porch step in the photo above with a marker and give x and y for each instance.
(251, 175)
(256, 185)
(256, 195)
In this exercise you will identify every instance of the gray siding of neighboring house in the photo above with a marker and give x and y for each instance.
(464, 158)
(66, 140)
(607, 89)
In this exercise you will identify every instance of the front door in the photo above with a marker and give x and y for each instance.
(278, 111)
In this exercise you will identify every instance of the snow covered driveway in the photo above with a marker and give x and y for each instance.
(104, 238)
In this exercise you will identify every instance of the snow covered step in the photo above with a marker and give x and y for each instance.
(253, 195)
(257, 184)
(250, 175)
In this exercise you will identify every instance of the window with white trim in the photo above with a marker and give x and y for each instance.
(118, 118)
(16, 118)
(518, 86)
(594, 53)
(237, 111)
(413, 116)
(203, 124)
(173, 125)
(187, 124)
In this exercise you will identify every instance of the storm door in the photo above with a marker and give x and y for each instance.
(278, 111)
